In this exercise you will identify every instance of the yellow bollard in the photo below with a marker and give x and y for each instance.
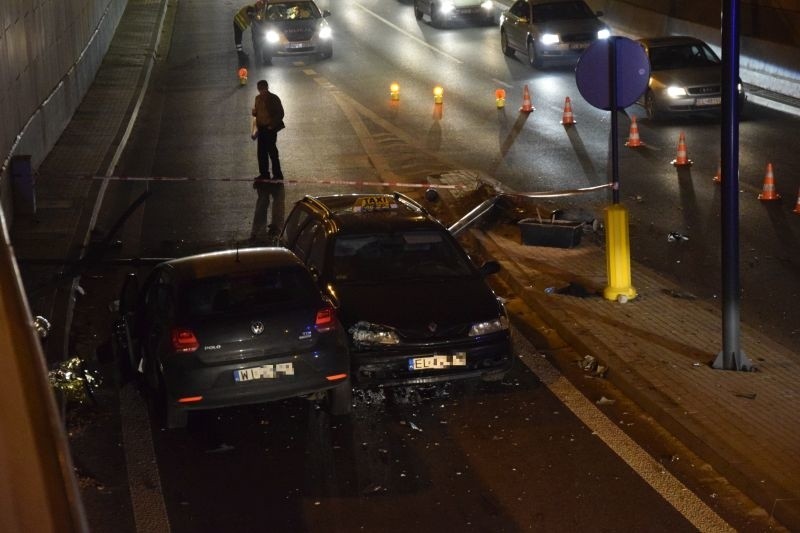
(394, 90)
(438, 94)
(500, 98)
(618, 255)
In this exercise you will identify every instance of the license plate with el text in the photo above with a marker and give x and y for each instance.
(437, 362)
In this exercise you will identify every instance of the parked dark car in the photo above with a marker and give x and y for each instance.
(232, 328)
(416, 308)
(291, 28)
(685, 77)
(550, 31)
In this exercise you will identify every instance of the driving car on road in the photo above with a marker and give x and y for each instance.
(415, 307)
(550, 31)
(291, 28)
(232, 328)
(685, 77)
(441, 12)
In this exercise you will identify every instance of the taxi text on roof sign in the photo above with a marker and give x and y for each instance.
(374, 203)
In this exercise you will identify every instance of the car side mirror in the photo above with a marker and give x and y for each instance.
(129, 294)
(326, 13)
(489, 268)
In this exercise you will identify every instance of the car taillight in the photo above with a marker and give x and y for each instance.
(325, 319)
(184, 341)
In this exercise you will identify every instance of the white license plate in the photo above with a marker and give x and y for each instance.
(716, 100)
(437, 361)
(578, 46)
(264, 372)
(296, 45)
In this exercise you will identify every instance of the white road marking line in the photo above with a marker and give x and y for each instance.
(504, 84)
(407, 34)
(651, 471)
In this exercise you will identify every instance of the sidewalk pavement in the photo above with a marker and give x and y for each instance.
(658, 348)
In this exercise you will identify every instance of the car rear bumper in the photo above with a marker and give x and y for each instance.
(392, 367)
(216, 386)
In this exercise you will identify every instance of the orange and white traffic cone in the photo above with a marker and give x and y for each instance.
(243, 76)
(527, 106)
(681, 159)
(567, 118)
(768, 190)
(633, 136)
(718, 176)
(796, 209)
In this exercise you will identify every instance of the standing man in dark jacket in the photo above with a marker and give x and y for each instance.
(268, 112)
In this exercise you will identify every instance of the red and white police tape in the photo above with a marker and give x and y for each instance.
(354, 183)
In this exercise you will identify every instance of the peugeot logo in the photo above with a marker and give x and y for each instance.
(432, 327)
(257, 327)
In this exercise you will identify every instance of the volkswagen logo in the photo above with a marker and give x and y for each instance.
(257, 327)
(432, 327)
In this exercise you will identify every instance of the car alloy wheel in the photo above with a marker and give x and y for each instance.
(417, 11)
(507, 50)
(533, 56)
(650, 106)
(437, 21)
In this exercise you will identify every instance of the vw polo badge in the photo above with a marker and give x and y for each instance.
(257, 327)
(432, 327)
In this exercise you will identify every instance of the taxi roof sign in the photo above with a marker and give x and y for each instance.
(374, 203)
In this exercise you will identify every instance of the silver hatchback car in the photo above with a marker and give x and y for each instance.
(550, 31)
(685, 77)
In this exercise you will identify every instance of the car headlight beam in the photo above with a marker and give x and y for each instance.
(490, 326)
(676, 92)
(603, 34)
(446, 7)
(549, 38)
(273, 36)
(325, 32)
(487, 5)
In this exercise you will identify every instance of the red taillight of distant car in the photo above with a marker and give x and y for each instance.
(184, 341)
(326, 318)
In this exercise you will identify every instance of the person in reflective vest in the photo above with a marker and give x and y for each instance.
(241, 21)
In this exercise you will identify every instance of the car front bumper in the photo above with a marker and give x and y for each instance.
(692, 104)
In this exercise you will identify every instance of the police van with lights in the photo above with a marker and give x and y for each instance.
(415, 307)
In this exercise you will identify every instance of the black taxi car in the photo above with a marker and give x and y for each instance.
(232, 328)
(416, 308)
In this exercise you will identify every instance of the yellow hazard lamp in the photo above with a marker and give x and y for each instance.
(438, 93)
(500, 98)
(394, 90)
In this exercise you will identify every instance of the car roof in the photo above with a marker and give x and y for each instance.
(669, 40)
(405, 214)
(232, 262)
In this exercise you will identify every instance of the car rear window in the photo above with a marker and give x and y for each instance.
(264, 289)
(380, 257)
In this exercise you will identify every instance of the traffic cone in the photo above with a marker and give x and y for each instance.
(243, 76)
(768, 190)
(718, 176)
(567, 118)
(796, 209)
(633, 136)
(527, 106)
(681, 160)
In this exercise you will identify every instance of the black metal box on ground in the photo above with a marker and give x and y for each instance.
(554, 233)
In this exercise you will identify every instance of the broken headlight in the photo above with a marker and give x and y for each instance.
(490, 326)
(367, 334)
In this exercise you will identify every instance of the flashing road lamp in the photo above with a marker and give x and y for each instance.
(394, 91)
(438, 94)
(500, 98)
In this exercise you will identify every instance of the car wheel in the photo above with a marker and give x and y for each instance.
(327, 53)
(437, 21)
(417, 12)
(533, 56)
(651, 107)
(340, 399)
(266, 59)
(507, 50)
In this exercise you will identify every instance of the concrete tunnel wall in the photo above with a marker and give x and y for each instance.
(50, 51)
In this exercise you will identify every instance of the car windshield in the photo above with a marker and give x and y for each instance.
(385, 257)
(246, 291)
(292, 11)
(679, 56)
(562, 11)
